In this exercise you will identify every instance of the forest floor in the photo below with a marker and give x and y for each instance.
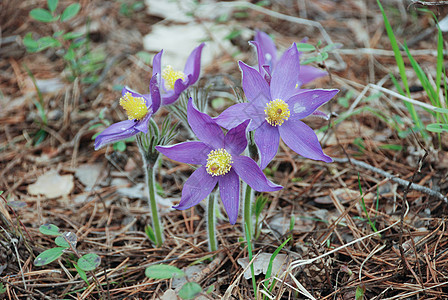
(51, 174)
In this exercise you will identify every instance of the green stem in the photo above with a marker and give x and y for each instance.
(157, 227)
(211, 223)
(248, 211)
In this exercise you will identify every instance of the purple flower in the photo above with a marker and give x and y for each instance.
(221, 162)
(175, 82)
(267, 61)
(139, 109)
(275, 110)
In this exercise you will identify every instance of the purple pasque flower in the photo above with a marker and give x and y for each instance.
(175, 82)
(267, 60)
(276, 110)
(221, 163)
(139, 109)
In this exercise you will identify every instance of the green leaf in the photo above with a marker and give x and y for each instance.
(233, 34)
(331, 47)
(150, 233)
(30, 44)
(303, 47)
(48, 256)
(81, 273)
(70, 55)
(163, 272)
(58, 33)
(190, 290)
(271, 260)
(441, 110)
(89, 262)
(48, 42)
(61, 242)
(41, 15)
(437, 127)
(391, 147)
(71, 11)
(49, 229)
(260, 203)
(72, 35)
(144, 56)
(359, 294)
(52, 4)
(319, 58)
(2, 288)
(120, 146)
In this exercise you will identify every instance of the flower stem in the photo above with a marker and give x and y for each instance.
(248, 211)
(211, 223)
(156, 226)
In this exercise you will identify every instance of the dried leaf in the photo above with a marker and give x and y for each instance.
(52, 185)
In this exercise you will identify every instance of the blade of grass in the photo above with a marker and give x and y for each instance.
(249, 250)
(400, 65)
(271, 262)
(423, 78)
(363, 204)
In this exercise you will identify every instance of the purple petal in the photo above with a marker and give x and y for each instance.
(285, 76)
(250, 172)
(157, 63)
(229, 189)
(198, 186)
(260, 56)
(155, 92)
(267, 139)
(205, 127)
(171, 96)
(193, 64)
(309, 73)
(255, 87)
(304, 104)
(268, 49)
(302, 140)
(235, 140)
(320, 114)
(142, 125)
(238, 113)
(187, 152)
(115, 132)
(267, 75)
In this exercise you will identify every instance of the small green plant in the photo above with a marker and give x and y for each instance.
(189, 290)
(73, 47)
(321, 54)
(66, 242)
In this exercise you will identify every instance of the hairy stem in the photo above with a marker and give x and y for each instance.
(248, 211)
(211, 223)
(156, 225)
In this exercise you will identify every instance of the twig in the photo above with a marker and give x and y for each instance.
(413, 186)
(438, 3)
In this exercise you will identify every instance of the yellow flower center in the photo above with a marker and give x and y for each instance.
(171, 76)
(277, 111)
(135, 107)
(219, 162)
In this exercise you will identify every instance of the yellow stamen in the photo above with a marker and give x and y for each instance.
(219, 162)
(277, 112)
(171, 76)
(135, 107)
